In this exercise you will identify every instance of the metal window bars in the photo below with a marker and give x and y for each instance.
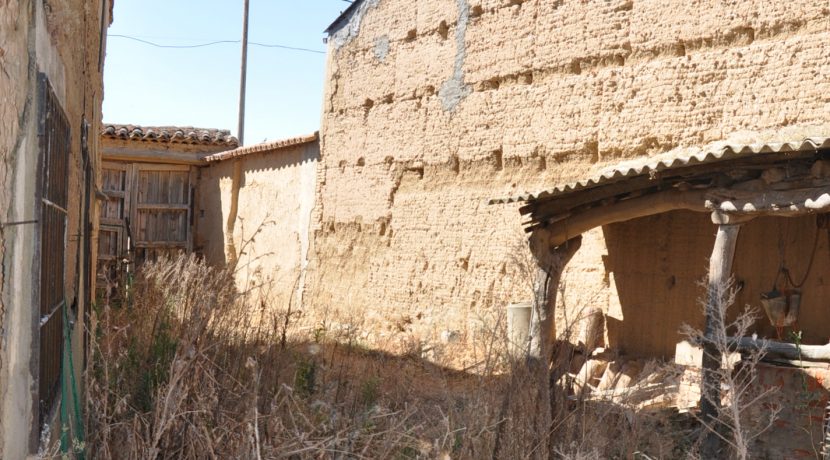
(54, 140)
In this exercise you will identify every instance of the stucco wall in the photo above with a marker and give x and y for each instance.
(62, 40)
(276, 198)
(432, 107)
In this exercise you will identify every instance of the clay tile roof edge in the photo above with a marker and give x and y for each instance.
(271, 146)
(170, 134)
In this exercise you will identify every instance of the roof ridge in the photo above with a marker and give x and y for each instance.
(264, 147)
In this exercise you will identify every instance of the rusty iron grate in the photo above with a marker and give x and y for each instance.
(54, 143)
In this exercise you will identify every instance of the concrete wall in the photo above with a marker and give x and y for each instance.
(432, 107)
(63, 41)
(276, 198)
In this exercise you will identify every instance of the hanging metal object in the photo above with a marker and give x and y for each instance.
(782, 307)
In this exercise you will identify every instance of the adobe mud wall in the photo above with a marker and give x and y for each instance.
(272, 227)
(62, 40)
(433, 107)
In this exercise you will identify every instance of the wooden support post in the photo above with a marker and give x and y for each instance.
(720, 268)
(551, 261)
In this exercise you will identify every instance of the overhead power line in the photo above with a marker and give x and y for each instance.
(217, 42)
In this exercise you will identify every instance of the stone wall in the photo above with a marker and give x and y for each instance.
(433, 107)
(276, 198)
(62, 39)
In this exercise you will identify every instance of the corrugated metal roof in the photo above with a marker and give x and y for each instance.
(263, 147)
(675, 159)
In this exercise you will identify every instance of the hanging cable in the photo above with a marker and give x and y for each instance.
(217, 42)
(786, 271)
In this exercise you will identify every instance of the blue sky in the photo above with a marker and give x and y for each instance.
(200, 86)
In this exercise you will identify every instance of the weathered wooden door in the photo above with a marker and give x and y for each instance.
(161, 211)
(148, 210)
(112, 233)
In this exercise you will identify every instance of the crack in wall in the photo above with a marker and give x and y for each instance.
(454, 90)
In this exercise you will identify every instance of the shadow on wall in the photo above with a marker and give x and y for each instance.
(276, 186)
(657, 265)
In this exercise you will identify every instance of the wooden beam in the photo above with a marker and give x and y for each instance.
(551, 205)
(786, 350)
(779, 203)
(733, 205)
(633, 208)
(155, 156)
(720, 268)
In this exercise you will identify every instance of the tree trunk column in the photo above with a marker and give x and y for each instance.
(720, 271)
(551, 261)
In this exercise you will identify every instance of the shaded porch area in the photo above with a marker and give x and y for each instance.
(680, 226)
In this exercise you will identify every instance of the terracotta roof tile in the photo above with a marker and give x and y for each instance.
(263, 147)
(170, 134)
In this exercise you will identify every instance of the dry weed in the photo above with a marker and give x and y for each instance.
(192, 370)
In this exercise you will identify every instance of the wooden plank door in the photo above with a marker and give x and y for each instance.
(162, 211)
(112, 237)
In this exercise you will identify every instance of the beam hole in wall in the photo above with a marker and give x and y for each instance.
(361, 161)
(496, 159)
(489, 84)
(342, 165)
(454, 163)
(592, 148)
(476, 11)
(411, 35)
(541, 163)
(679, 49)
(575, 67)
(464, 263)
(443, 30)
(417, 168)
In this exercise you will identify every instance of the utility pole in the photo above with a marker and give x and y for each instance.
(231, 256)
(243, 75)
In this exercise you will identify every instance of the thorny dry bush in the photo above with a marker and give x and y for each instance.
(190, 371)
(744, 410)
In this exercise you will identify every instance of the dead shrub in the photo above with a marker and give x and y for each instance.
(191, 370)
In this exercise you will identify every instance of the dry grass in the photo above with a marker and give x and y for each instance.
(191, 371)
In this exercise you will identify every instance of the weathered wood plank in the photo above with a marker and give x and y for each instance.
(786, 350)
(155, 156)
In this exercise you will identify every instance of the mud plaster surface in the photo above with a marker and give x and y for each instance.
(404, 243)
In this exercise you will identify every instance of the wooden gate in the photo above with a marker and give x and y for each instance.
(148, 211)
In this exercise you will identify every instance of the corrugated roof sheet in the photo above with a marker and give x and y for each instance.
(263, 147)
(170, 134)
(675, 159)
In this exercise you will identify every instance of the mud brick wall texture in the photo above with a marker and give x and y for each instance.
(63, 40)
(433, 107)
